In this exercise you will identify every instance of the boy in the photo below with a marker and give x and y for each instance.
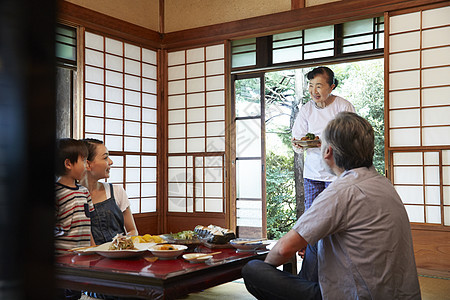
(73, 202)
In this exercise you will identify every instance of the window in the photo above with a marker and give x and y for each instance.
(120, 108)
(66, 78)
(196, 124)
(66, 45)
(244, 53)
(249, 123)
(313, 45)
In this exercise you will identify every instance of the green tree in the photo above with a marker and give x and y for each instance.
(281, 202)
(362, 84)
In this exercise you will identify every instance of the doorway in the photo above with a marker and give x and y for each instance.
(269, 174)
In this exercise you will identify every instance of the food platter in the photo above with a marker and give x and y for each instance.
(307, 143)
(104, 251)
(173, 239)
(252, 245)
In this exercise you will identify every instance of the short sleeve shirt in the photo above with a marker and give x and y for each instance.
(119, 194)
(311, 119)
(365, 248)
(73, 205)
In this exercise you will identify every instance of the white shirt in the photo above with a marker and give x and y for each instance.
(311, 119)
(119, 194)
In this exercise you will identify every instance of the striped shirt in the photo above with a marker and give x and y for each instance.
(73, 205)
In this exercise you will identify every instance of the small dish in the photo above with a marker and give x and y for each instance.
(196, 258)
(162, 251)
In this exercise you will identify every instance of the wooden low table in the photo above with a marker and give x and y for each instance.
(141, 278)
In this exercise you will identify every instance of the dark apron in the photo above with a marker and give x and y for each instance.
(106, 220)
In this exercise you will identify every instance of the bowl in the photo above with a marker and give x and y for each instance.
(252, 246)
(196, 258)
(167, 251)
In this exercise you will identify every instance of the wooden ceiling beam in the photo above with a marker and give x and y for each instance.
(295, 19)
(314, 16)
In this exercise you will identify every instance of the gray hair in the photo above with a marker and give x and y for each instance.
(352, 139)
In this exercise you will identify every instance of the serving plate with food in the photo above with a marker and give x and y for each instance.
(167, 251)
(147, 238)
(214, 234)
(246, 245)
(310, 140)
(186, 237)
(121, 247)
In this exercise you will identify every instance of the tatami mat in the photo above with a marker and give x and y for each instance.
(432, 288)
(233, 290)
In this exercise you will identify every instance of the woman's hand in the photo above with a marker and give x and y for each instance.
(297, 148)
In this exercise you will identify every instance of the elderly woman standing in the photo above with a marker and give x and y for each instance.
(313, 117)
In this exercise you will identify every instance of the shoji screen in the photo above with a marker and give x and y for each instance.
(419, 112)
(196, 124)
(120, 90)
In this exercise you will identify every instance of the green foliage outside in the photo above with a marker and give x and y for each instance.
(363, 84)
(281, 195)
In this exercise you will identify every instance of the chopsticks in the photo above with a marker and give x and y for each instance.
(203, 255)
(81, 248)
(249, 242)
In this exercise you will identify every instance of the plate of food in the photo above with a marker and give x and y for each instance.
(310, 140)
(147, 238)
(214, 234)
(167, 251)
(186, 237)
(243, 244)
(121, 247)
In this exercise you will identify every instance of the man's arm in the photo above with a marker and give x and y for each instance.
(285, 248)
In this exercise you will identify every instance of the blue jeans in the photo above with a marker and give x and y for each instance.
(264, 281)
(309, 269)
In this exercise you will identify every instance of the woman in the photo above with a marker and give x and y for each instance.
(112, 213)
(313, 117)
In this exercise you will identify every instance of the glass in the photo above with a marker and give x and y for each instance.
(243, 53)
(249, 213)
(248, 178)
(319, 34)
(248, 138)
(248, 97)
(66, 43)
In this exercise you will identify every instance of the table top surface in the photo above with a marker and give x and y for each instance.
(143, 266)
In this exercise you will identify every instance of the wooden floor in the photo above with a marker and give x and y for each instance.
(433, 286)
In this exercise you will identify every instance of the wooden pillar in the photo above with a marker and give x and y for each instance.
(27, 137)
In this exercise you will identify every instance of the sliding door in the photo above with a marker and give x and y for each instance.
(418, 85)
(248, 116)
(196, 139)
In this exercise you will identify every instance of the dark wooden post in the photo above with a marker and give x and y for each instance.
(27, 137)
